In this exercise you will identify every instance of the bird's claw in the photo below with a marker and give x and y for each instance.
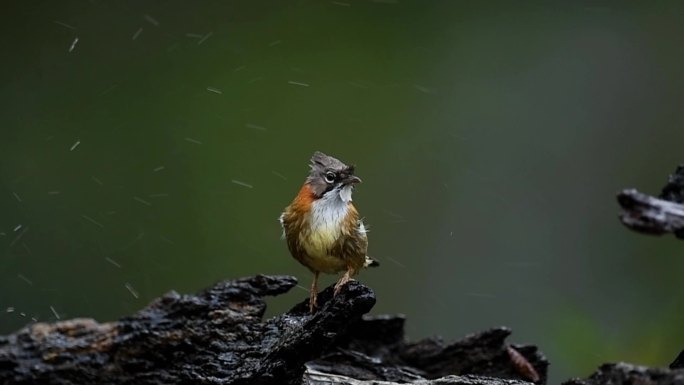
(313, 303)
(338, 286)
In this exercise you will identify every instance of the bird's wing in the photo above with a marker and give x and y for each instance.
(352, 246)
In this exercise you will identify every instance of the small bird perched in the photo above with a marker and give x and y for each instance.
(322, 227)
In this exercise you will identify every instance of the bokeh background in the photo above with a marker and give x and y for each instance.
(151, 145)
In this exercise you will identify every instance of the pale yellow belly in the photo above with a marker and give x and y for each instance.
(316, 244)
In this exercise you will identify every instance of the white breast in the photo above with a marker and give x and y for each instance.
(327, 215)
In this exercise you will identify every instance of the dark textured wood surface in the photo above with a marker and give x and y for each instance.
(219, 337)
(215, 337)
(628, 374)
(656, 215)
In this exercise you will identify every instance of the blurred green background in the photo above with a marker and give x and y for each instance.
(157, 151)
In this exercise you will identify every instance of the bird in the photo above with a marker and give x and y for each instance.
(323, 229)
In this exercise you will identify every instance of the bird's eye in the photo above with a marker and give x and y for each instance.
(329, 177)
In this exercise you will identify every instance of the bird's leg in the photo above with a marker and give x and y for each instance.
(343, 281)
(313, 295)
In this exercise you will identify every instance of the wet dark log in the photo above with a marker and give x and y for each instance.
(656, 215)
(678, 363)
(332, 379)
(674, 189)
(375, 349)
(218, 337)
(215, 337)
(621, 373)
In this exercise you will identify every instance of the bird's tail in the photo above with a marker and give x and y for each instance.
(370, 262)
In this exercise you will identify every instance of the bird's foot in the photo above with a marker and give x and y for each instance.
(313, 294)
(343, 281)
(313, 302)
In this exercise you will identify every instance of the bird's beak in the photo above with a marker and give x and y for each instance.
(352, 179)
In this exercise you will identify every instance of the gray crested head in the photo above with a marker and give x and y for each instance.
(328, 173)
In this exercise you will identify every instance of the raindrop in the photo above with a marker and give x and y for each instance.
(142, 201)
(204, 38)
(54, 312)
(241, 183)
(93, 221)
(113, 262)
(63, 24)
(73, 45)
(297, 83)
(23, 278)
(152, 20)
(256, 127)
(73, 146)
(191, 140)
(131, 290)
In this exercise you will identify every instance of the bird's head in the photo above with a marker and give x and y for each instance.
(330, 176)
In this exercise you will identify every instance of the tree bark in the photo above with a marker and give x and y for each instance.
(656, 215)
(622, 373)
(218, 337)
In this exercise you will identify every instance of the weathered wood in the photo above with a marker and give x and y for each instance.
(678, 363)
(674, 189)
(215, 337)
(375, 349)
(628, 374)
(319, 378)
(218, 337)
(656, 215)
